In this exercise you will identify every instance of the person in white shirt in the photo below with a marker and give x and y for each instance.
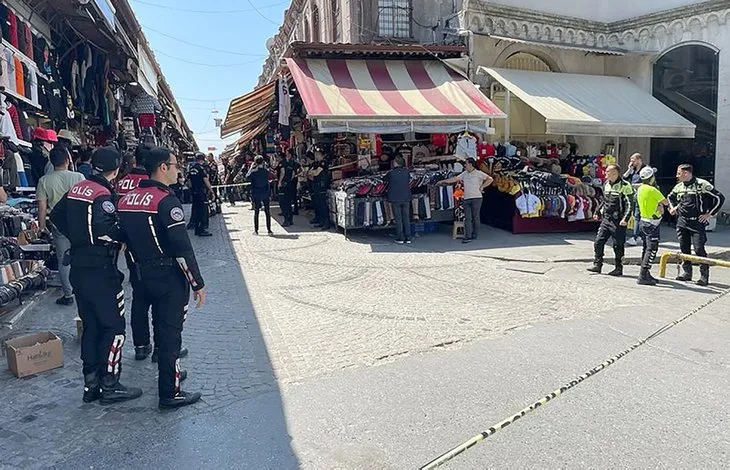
(474, 182)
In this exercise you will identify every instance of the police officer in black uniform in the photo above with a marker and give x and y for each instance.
(200, 188)
(695, 201)
(153, 218)
(288, 169)
(87, 216)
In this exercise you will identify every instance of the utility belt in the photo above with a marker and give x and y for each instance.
(157, 263)
(93, 256)
(654, 222)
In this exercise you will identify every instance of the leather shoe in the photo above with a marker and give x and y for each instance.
(65, 301)
(156, 354)
(118, 393)
(183, 375)
(179, 400)
(204, 233)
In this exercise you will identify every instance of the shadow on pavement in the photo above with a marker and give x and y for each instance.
(240, 421)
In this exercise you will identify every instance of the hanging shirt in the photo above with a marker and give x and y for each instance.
(466, 147)
(19, 78)
(10, 63)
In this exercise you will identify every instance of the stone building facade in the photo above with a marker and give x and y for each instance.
(677, 50)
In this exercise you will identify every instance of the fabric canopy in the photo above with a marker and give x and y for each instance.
(374, 94)
(249, 110)
(593, 105)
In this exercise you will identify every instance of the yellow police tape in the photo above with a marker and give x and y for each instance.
(443, 458)
(667, 257)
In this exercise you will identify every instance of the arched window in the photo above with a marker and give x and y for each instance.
(307, 36)
(526, 61)
(336, 21)
(315, 24)
(686, 80)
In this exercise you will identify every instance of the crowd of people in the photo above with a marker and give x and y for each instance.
(102, 204)
(694, 201)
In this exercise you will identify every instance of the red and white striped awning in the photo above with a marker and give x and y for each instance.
(421, 94)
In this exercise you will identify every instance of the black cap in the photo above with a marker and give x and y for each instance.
(199, 156)
(106, 159)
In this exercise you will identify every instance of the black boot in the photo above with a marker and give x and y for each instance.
(92, 388)
(156, 353)
(114, 392)
(597, 267)
(618, 271)
(645, 278)
(183, 375)
(179, 400)
(142, 352)
(704, 276)
(203, 233)
(686, 275)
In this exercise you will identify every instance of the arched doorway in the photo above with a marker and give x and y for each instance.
(686, 80)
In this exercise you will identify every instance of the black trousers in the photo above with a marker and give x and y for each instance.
(231, 194)
(140, 316)
(169, 292)
(610, 229)
(651, 235)
(321, 213)
(258, 204)
(697, 238)
(100, 299)
(286, 201)
(200, 212)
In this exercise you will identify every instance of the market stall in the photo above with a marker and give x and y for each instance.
(544, 183)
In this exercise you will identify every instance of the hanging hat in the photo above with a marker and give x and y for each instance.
(39, 133)
(51, 136)
(70, 136)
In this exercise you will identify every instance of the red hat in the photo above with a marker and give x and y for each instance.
(46, 135)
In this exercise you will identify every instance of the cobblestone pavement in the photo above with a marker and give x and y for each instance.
(287, 309)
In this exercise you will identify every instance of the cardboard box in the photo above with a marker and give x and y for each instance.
(32, 354)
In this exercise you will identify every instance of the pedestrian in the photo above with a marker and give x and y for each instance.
(154, 221)
(474, 182)
(228, 175)
(651, 204)
(288, 169)
(87, 216)
(51, 189)
(320, 181)
(43, 141)
(633, 176)
(258, 176)
(399, 197)
(85, 163)
(695, 201)
(200, 189)
(618, 206)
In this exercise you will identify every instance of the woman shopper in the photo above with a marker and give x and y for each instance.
(258, 175)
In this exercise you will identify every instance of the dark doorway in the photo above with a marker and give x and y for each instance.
(686, 79)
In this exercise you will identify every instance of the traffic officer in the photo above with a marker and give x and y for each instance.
(651, 204)
(87, 216)
(200, 188)
(153, 218)
(618, 206)
(694, 201)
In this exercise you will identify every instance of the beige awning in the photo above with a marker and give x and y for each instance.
(594, 105)
(248, 111)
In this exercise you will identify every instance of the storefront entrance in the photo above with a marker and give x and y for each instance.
(686, 80)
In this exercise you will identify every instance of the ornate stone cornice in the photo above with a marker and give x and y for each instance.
(652, 33)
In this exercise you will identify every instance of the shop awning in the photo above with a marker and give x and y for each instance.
(390, 96)
(251, 133)
(249, 110)
(593, 105)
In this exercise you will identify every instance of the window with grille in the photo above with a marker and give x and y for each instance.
(394, 18)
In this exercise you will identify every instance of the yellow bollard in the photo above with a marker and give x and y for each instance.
(666, 257)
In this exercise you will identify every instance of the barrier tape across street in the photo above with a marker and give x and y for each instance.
(445, 457)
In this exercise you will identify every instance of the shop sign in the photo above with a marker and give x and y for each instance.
(107, 9)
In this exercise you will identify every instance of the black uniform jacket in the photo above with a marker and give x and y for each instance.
(153, 218)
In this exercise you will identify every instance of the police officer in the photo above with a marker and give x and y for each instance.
(288, 170)
(200, 188)
(87, 216)
(140, 304)
(153, 218)
(618, 206)
(694, 201)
